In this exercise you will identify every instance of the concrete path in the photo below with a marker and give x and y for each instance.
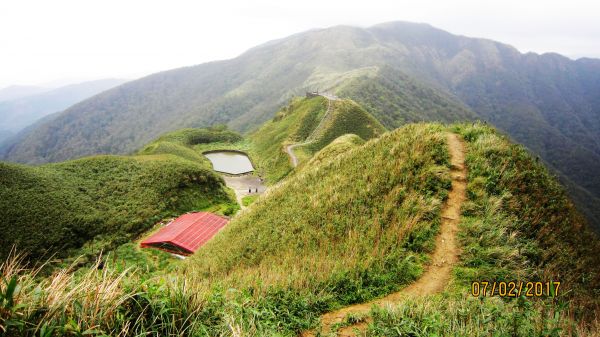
(241, 184)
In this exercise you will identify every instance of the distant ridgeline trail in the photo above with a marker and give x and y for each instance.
(311, 138)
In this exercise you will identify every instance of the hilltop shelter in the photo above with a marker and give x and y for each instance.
(184, 235)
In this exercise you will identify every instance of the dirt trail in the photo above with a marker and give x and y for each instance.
(438, 273)
(290, 148)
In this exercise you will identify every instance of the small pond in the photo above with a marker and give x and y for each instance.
(230, 162)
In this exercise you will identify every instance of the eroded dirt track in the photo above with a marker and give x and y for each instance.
(438, 273)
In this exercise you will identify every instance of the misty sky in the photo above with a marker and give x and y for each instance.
(61, 41)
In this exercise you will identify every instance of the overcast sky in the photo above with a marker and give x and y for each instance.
(60, 41)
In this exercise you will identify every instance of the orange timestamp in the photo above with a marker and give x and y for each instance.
(515, 288)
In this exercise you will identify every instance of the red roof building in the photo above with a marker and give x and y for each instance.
(187, 233)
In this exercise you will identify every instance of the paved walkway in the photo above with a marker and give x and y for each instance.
(241, 184)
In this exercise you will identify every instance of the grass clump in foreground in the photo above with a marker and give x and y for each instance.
(98, 301)
(517, 224)
(458, 315)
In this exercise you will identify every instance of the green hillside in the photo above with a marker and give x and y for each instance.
(293, 123)
(518, 225)
(400, 72)
(103, 201)
(348, 227)
(298, 121)
(346, 116)
(20, 112)
(182, 143)
(339, 146)
(395, 99)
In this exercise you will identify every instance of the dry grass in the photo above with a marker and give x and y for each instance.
(88, 301)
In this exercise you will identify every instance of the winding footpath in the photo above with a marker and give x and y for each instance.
(290, 148)
(438, 274)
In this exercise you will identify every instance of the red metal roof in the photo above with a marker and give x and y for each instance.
(187, 233)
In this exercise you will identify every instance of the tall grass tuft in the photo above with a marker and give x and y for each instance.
(462, 315)
(66, 302)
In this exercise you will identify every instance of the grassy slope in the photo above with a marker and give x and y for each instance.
(396, 99)
(517, 225)
(340, 145)
(346, 117)
(181, 142)
(296, 122)
(357, 225)
(342, 232)
(530, 214)
(291, 124)
(59, 207)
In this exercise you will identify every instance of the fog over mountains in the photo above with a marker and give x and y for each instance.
(18, 91)
(401, 72)
(21, 106)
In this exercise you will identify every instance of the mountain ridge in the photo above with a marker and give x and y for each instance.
(22, 111)
(546, 102)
